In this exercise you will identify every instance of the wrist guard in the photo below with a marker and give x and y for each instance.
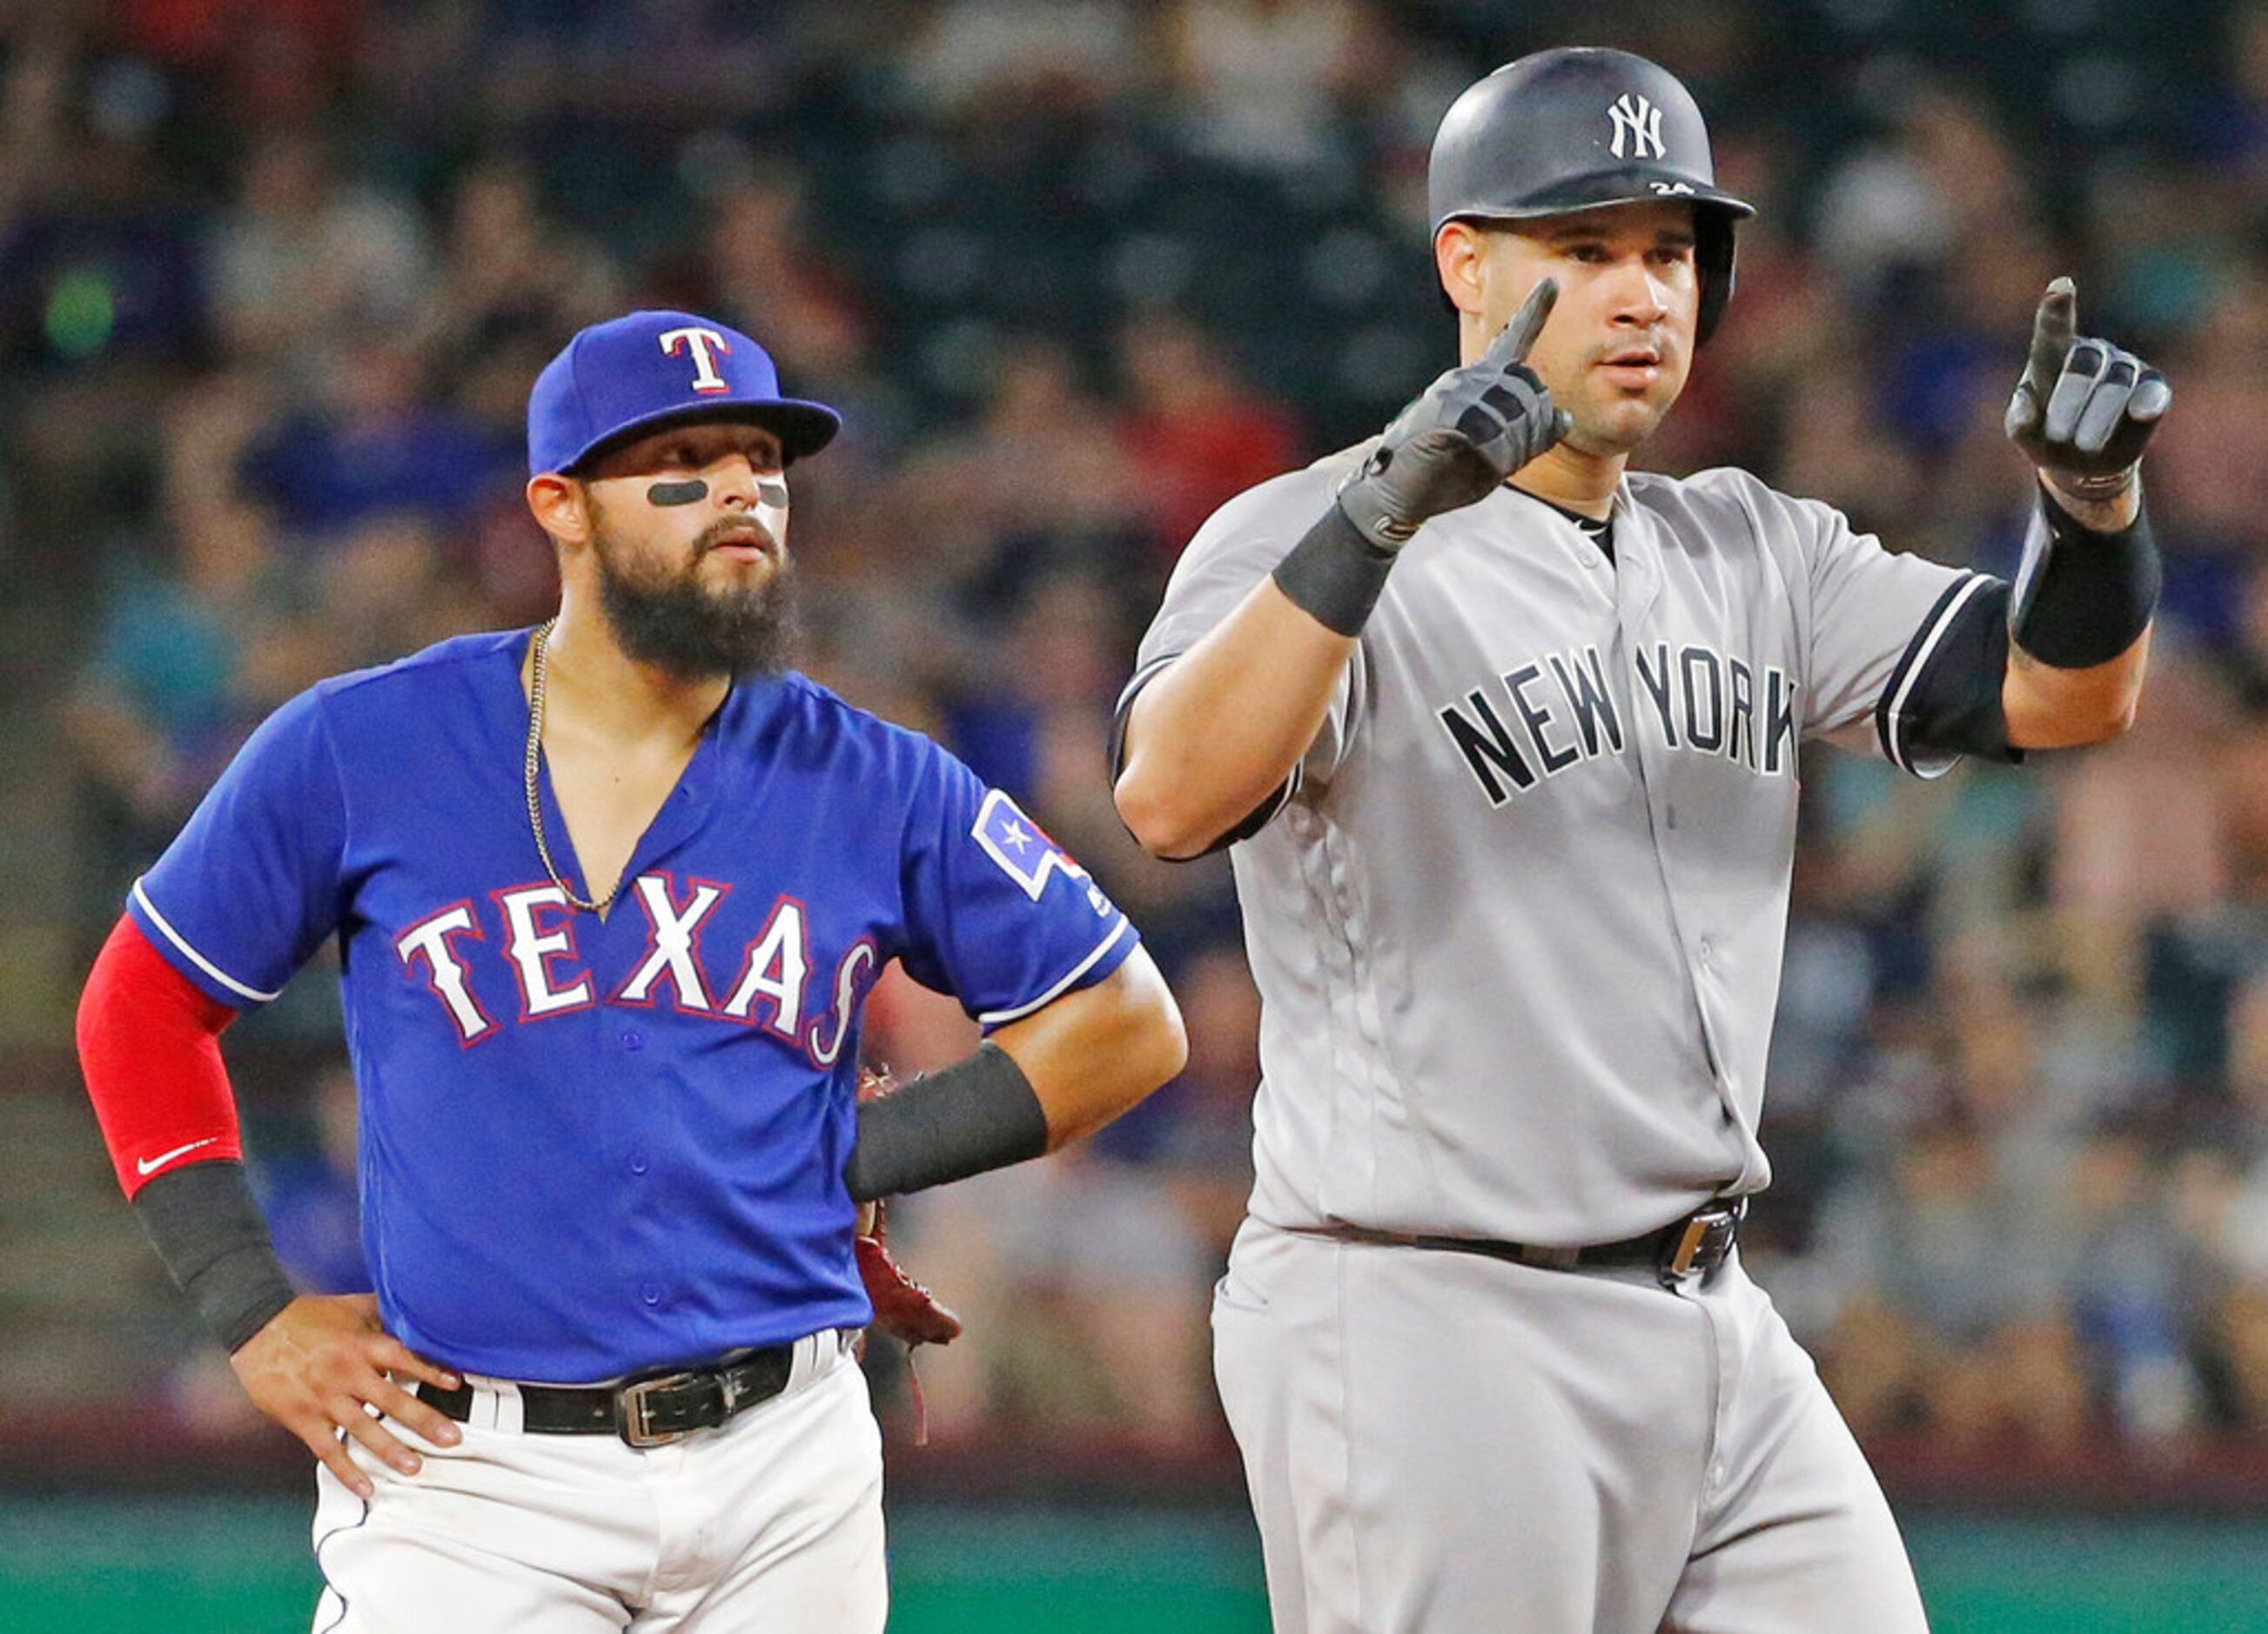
(209, 1232)
(2082, 598)
(975, 1115)
(1334, 574)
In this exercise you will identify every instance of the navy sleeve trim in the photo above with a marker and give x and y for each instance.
(1261, 815)
(1944, 699)
(1124, 710)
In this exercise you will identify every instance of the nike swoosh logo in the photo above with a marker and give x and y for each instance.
(147, 1166)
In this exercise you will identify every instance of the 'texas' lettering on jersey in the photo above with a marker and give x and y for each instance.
(1559, 710)
(768, 983)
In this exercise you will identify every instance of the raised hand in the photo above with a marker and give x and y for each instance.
(313, 1368)
(1461, 435)
(2085, 409)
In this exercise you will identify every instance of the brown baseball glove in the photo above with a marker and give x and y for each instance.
(903, 1308)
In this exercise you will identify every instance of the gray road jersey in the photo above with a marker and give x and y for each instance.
(1517, 930)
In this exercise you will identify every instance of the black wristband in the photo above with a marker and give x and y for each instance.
(975, 1116)
(1334, 573)
(210, 1235)
(2081, 597)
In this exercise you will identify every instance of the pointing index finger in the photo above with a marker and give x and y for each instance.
(2054, 327)
(1511, 346)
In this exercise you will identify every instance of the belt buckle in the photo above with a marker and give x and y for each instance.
(1702, 1245)
(633, 1414)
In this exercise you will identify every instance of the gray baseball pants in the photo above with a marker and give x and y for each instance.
(1441, 1442)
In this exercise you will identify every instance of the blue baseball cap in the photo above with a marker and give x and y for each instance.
(650, 369)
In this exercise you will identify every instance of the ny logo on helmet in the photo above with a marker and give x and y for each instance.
(1639, 121)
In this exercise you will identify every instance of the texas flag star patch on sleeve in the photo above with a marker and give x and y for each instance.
(1022, 847)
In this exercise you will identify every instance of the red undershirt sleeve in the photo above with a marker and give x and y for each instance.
(149, 1044)
(149, 1041)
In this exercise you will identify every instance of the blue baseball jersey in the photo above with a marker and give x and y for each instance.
(592, 1146)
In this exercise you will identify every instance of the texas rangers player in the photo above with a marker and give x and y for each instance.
(610, 895)
(1505, 737)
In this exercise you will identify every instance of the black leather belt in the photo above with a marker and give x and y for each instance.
(1684, 1251)
(650, 1411)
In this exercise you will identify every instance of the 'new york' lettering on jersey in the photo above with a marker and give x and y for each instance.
(1700, 699)
(591, 1146)
(1535, 865)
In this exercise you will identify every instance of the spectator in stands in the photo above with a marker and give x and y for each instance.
(377, 443)
(1259, 83)
(193, 651)
(1195, 435)
(2129, 1287)
(307, 1193)
(508, 273)
(305, 258)
(1203, 1149)
(1000, 62)
(1953, 1324)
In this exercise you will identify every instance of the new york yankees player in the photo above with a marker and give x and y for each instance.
(1505, 737)
(610, 895)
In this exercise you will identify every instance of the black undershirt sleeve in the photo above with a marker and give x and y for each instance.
(1944, 696)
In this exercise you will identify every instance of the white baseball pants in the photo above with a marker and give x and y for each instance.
(772, 1521)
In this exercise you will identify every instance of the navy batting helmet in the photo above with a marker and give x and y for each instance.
(1578, 128)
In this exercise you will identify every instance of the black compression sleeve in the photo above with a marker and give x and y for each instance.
(1334, 573)
(210, 1235)
(975, 1116)
(2082, 598)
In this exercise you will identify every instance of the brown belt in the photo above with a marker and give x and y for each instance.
(1686, 1250)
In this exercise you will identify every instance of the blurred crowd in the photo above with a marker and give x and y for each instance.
(276, 275)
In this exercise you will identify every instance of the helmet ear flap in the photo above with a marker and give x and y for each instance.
(1713, 262)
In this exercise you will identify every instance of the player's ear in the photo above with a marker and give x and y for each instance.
(560, 507)
(1459, 250)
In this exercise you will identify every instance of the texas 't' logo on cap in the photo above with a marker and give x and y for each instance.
(646, 369)
(698, 342)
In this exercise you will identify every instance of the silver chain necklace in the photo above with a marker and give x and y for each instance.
(534, 800)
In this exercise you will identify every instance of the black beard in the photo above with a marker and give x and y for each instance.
(690, 632)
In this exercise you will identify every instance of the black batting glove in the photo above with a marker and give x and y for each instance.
(1461, 436)
(2085, 409)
